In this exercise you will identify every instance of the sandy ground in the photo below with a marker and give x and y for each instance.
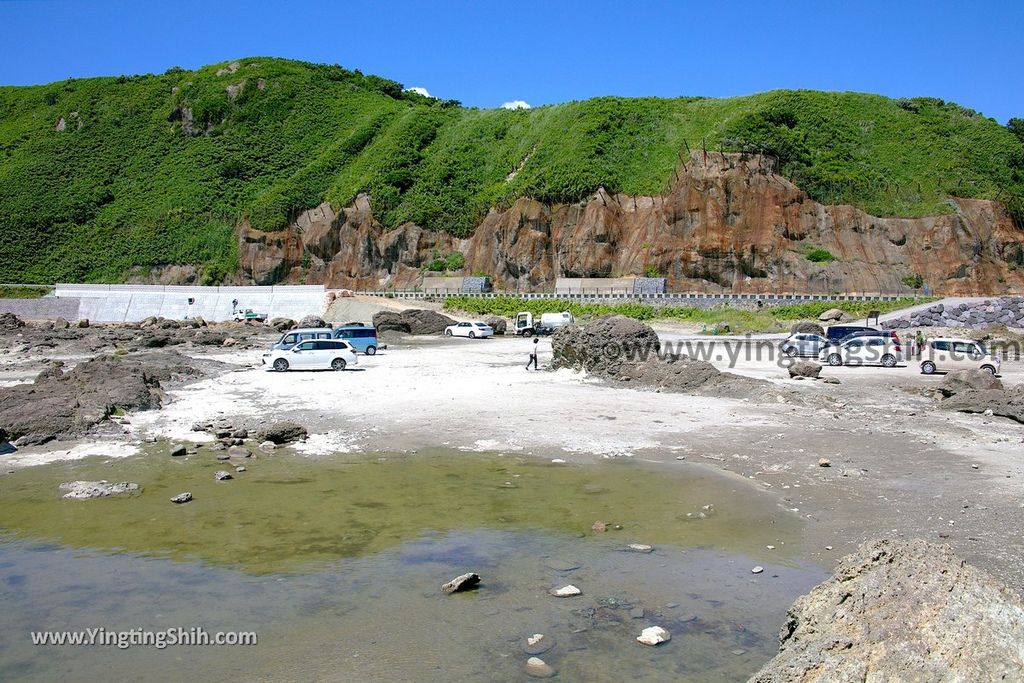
(899, 466)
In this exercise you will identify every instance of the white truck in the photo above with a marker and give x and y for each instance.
(525, 324)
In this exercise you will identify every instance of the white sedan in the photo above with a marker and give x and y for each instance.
(471, 330)
(864, 351)
(312, 354)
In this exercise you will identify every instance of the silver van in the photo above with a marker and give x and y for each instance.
(293, 337)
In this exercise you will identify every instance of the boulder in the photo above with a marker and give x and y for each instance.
(282, 432)
(832, 314)
(83, 323)
(901, 610)
(625, 350)
(9, 321)
(282, 324)
(653, 635)
(1007, 403)
(390, 321)
(312, 321)
(222, 475)
(497, 323)
(805, 368)
(423, 321)
(83, 490)
(461, 583)
(960, 380)
(807, 327)
(183, 497)
(538, 668)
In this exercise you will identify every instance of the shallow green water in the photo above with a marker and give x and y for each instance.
(336, 563)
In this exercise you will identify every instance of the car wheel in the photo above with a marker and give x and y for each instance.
(472, 335)
(835, 359)
(989, 369)
(447, 333)
(790, 351)
(888, 360)
(928, 367)
(338, 364)
(371, 350)
(280, 365)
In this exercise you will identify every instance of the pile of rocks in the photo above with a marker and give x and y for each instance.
(1008, 311)
(901, 610)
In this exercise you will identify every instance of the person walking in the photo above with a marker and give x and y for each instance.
(533, 354)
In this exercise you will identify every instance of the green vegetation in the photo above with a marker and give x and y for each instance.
(768, 319)
(17, 292)
(913, 281)
(819, 255)
(103, 177)
(449, 262)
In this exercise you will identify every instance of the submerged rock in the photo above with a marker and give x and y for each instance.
(461, 583)
(902, 610)
(182, 497)
(221, 475)
(83, 490)
(653, 635)
(538, 668)
(566, 591)
(538, 644)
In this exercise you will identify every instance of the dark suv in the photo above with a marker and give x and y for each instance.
(836, 333)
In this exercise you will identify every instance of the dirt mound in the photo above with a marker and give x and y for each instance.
(66, 404)
(412, 321)
(900, 610)
(626, 350)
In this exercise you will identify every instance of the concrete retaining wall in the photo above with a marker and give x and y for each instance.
(131, 303)
(46, 308)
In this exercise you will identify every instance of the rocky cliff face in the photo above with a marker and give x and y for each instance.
(728, 223)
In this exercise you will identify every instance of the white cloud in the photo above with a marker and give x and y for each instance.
(419, 90)
(516, 104)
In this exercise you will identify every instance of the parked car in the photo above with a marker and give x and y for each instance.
(943, 355)
(363, 338)
(836, 333)
(471, 330)
(887, 334)
(864, 351)
(313, 354)
(804, 344)
(293, 337)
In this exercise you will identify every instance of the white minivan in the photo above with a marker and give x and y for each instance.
(313, 354)
(943, 355)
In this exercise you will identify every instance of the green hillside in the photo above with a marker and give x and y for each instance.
(158, 169)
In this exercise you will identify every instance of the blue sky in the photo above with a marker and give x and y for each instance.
(541, 52)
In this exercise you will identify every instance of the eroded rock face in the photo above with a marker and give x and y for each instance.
(282, 432)
(412, 321)
(1002, 402)
(728, 221)
(901, 610)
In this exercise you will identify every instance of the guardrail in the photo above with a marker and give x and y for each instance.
(598, 295)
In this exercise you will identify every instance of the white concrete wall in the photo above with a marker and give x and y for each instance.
(131, 303)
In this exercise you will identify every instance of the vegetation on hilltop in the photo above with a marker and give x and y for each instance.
(103, 177)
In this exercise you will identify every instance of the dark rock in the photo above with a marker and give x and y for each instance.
(179, 451)
(901, 610)
(805, 368)
(1003, 402)
(282, 324)
(390, 321)
(422, 321)
(9, 321)
(312, 321)
(461, 583)
(497, 323)
(282, 432)
(960, 380)
(68, 404)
